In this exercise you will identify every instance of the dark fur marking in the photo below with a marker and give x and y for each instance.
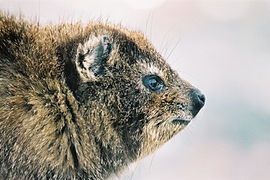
(74, 155)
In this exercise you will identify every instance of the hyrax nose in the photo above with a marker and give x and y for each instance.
(198, 100)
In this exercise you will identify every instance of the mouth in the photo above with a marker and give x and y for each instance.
(180, 121)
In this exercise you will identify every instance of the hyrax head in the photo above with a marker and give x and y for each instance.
(137, 94)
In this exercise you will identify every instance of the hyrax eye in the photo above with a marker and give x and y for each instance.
(153, 82)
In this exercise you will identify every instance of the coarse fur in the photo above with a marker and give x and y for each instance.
(73, 104)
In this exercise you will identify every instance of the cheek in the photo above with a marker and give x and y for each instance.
(162, 108)
(154, 136)
(164, 105)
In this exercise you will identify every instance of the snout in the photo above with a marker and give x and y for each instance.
(198, 101)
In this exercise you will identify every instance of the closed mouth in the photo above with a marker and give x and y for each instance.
(181, 121)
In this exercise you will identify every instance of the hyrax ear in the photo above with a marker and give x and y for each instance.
(92, 56)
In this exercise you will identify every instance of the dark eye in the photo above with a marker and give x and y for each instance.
(153, 82)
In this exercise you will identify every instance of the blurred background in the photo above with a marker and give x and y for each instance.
(220, 46)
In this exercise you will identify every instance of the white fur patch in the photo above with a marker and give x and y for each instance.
(151, 69)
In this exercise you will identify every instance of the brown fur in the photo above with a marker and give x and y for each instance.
(63, 119)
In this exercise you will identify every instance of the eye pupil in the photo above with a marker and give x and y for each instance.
(153, 82)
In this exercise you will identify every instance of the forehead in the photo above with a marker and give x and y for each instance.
(129, 36)
(133, 42)
(136, 51)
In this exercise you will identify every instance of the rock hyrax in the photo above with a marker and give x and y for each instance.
(83, 101)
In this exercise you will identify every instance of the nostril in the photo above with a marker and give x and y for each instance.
(201, 98)
(198, 100)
